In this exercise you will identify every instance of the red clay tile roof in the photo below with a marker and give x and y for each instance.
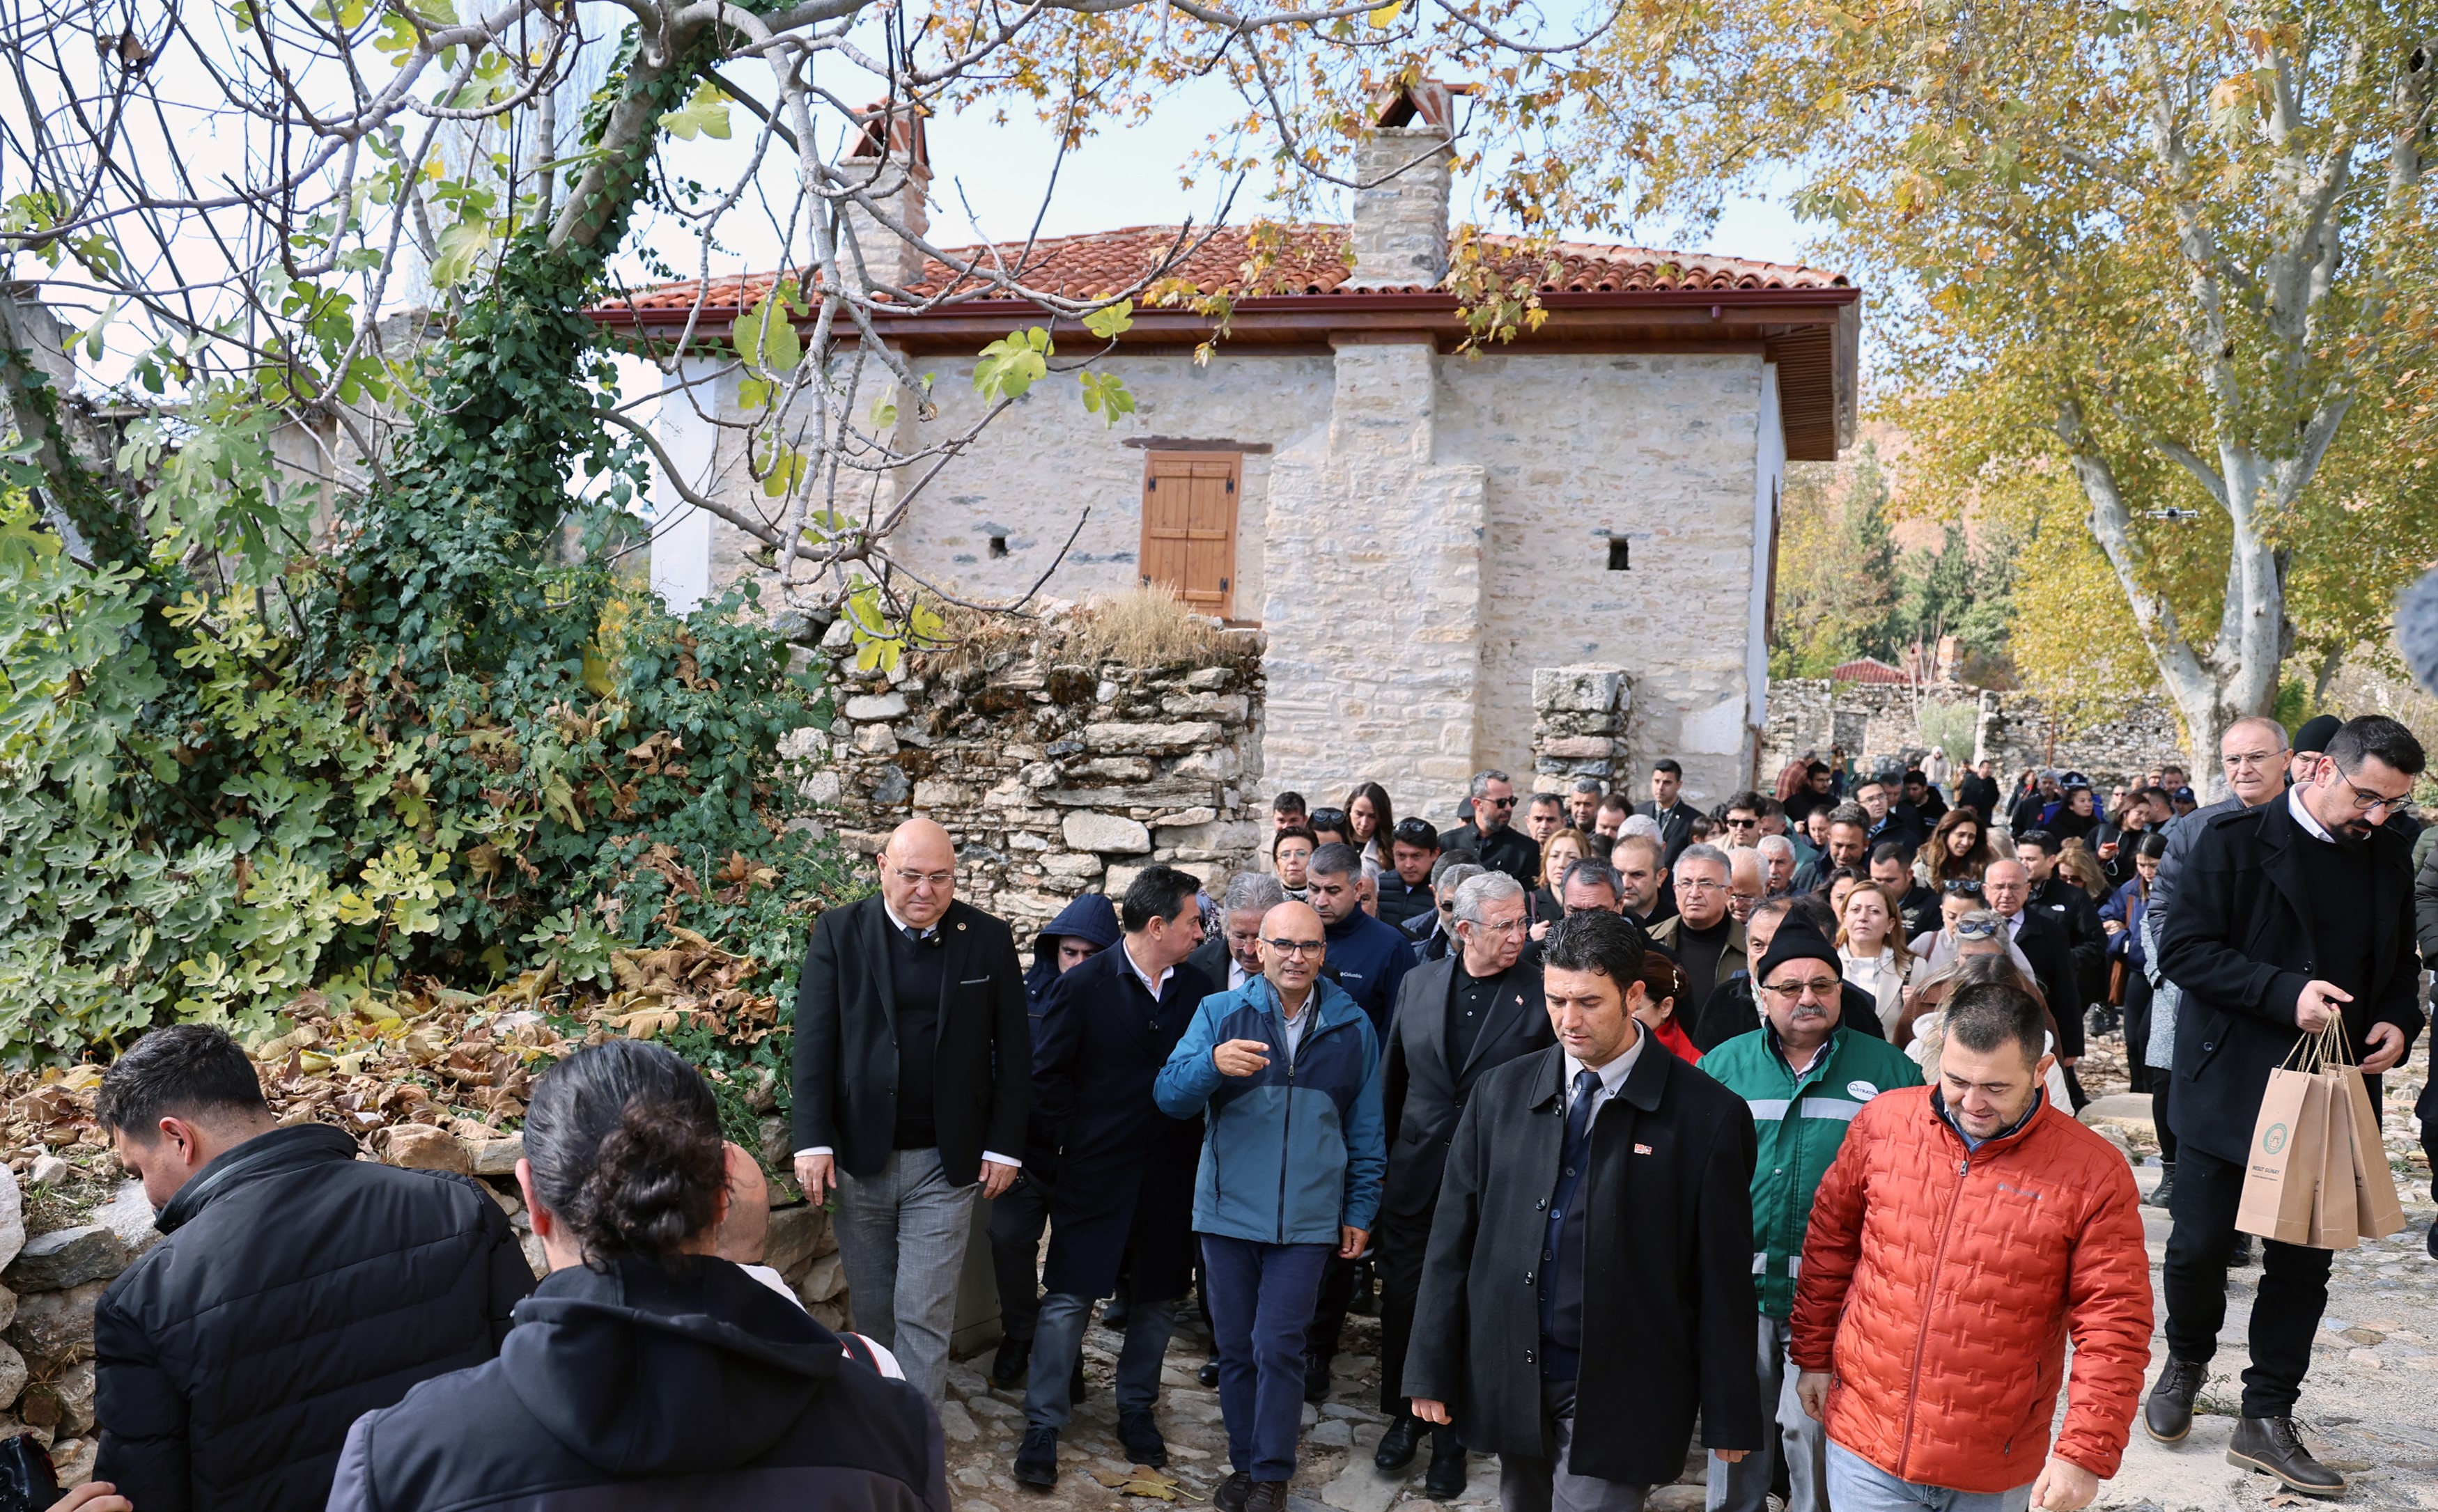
(1312, 261)
(1870, 669)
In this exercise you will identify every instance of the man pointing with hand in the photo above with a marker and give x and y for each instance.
(1288, 1070)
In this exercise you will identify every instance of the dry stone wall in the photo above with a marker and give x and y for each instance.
(1578, 719)
(1056, 778)
(1812, 713)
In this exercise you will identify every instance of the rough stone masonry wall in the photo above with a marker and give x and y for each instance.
(1579, 726)
(1812, 713)
(1055, 778)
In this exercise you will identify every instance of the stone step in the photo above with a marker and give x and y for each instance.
(2131, 1110)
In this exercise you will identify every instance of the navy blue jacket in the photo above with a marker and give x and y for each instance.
(1368, 959)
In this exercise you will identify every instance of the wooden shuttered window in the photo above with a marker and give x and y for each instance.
(1188, 526)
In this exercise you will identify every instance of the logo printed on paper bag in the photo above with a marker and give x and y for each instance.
(2273, 1140)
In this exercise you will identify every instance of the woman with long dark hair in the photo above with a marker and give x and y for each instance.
(1371, 820)
(644, 1359)
(1957, 850)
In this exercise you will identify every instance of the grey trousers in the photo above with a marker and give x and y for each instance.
(1547, 1485)
(1804, 1441)
(902, 1233)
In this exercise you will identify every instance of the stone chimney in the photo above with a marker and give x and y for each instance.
(1401, 212)
(889, 160)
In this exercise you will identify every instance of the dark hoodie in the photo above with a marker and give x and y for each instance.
(649, 1387)
(1091, 917)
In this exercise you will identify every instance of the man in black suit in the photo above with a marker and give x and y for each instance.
(913, 1061)
(1488, 834)
(1457, 1018)
(1590, 1261)
(1233, 955)
(2006, 888)
(1673, 817)
(2286, 917)
(1122, 1198)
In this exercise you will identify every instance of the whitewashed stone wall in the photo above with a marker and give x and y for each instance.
(1055, 778)
(1374, 603)
(1415, 532)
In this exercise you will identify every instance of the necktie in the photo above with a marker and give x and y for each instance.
(1579, 1118)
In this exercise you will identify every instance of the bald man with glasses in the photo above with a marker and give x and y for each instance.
(913, 1077)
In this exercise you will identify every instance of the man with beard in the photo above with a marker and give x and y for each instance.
(2286, 918)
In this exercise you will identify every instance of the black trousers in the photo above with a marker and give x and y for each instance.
(1399, 1246)
(2137, 1032)
(2285, 1311)
(1329, 1312)
(1018, 1217)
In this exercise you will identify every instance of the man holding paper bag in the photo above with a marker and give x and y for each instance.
(2287, 917)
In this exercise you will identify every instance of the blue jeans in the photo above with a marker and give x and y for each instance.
(1261, 1298)
(1856, 1485)
(1058, 1339)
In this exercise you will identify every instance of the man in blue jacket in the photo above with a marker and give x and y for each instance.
(1287, 1069)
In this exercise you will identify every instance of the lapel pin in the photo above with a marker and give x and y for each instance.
(961, 929)
(1642, 1150)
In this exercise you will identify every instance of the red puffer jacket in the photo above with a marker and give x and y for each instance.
(1940, 1288)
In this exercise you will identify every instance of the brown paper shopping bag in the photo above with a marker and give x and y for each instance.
(2378, 1211)
(2333, 1219)
(2289, 1141)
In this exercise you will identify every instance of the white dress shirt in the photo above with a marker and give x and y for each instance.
(2303, 816)
(1612, 1076)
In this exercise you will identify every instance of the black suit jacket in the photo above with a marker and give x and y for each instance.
(846, 1042)
(2085, 940)
(1675, 825)
(2049, 947)
(1211, 959)
(1423, 1095)
(2239, 942)
(1668, 1304)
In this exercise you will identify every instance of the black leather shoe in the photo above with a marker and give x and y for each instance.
(2431, 1243)
(1037, 1459)
(1115, 1312)
(1233, 1493)
(1267, 1496)
(2271, 1446)
(1208, 1376)
(1445, 1482)
(2165, 1191)
(1013, 1364)
(2239, 1254)
(2167, 1417)
(1396, 1445)
(1140, 1437)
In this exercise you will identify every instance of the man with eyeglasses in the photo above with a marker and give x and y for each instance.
(1805, 1075)
(2288, 918)
(1287, 1071)
(1455, 1019)
(1703, 936)
(1742, 819)
(914, 1061)
(1487, 834)
(1233, 955)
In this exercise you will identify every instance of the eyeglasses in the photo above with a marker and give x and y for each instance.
(1746, 823)
(1823, 988)
(2367, 802)
(1296, 948)
(1965, 886)
(2238, 761)
(1977, 929)
(915, 879)
(1699, 884)
(1508, 802)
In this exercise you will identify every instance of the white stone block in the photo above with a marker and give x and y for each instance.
(1108, 834)
(875, 706)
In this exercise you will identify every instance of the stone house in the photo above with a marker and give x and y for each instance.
(1414, 529)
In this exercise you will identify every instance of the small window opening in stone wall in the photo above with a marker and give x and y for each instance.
(998, 546)
(1620, 554)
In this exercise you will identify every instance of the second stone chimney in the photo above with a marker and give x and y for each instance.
(889, 160)
(1401, 211)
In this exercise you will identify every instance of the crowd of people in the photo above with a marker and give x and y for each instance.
(1748, 1130)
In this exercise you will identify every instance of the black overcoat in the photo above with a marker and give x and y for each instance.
(846, 1042)
(2238, 941)
(1668, 1303)
(1423, 1096)
(1123, 1194)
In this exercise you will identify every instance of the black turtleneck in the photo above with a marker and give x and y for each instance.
(1698, 952)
